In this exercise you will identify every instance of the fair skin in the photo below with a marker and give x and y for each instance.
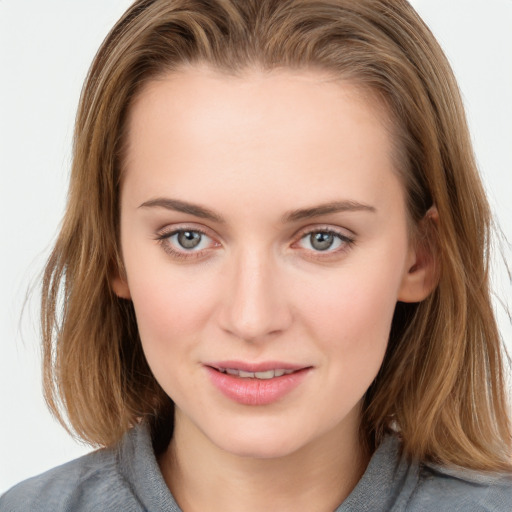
(293, 251)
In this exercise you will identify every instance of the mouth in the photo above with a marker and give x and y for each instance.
(262, 371)
(256, 384)
(262, 375)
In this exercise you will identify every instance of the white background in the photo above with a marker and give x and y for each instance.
(45, 50)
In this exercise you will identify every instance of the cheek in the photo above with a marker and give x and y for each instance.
(171, 314)
(353, 328)
(352, 334)
(350, 315)
(363, 311)
(170, 303)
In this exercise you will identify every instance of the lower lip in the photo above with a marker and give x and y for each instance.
(249, 391)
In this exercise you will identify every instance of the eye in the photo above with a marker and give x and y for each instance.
(324, 241)
(185, 243)
(189, 240)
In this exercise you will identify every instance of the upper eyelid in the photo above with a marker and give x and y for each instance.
(325, 228)
(169, 230)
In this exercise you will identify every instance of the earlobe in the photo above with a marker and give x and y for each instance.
(118, 280)
(422, 271)
(120, 287)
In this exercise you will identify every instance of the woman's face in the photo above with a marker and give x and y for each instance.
(265, 242)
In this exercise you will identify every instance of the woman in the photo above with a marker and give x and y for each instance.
(273, 268)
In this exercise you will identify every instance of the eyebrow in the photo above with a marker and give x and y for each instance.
(291, 216)
(325, 209)
(184, 207)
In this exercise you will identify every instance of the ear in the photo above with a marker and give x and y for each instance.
(422, 270)
(120, 287)
(119, 282)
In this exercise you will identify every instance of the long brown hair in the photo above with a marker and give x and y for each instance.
(442, 381)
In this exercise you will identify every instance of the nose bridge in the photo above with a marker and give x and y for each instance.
(256, 304)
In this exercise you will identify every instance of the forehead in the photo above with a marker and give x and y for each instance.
(283, 100)
(199, 127)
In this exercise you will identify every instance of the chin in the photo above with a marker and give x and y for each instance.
(260, 447)
(265, 439)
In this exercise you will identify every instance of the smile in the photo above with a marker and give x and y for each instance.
(265, 375)
(256, 384)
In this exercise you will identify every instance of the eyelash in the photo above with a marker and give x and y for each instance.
(345, 241)
(163, 238)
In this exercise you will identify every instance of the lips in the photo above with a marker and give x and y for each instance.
(256, 384)
(265, 375)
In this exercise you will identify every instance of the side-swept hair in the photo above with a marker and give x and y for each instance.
(441, 385)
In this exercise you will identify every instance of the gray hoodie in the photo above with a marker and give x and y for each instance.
(127, 478)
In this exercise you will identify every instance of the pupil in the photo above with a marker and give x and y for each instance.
(189, 239)
(322, 241)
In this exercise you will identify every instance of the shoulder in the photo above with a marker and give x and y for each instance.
(394, 483)
(91, 482)
(458, 489)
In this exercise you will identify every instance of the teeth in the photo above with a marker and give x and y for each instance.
(269, 374)
(266, 375)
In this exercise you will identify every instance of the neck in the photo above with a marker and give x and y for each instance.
(318, 476)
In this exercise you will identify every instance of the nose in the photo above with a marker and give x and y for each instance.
(255, 306)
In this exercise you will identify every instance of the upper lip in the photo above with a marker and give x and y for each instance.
(256, 367)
